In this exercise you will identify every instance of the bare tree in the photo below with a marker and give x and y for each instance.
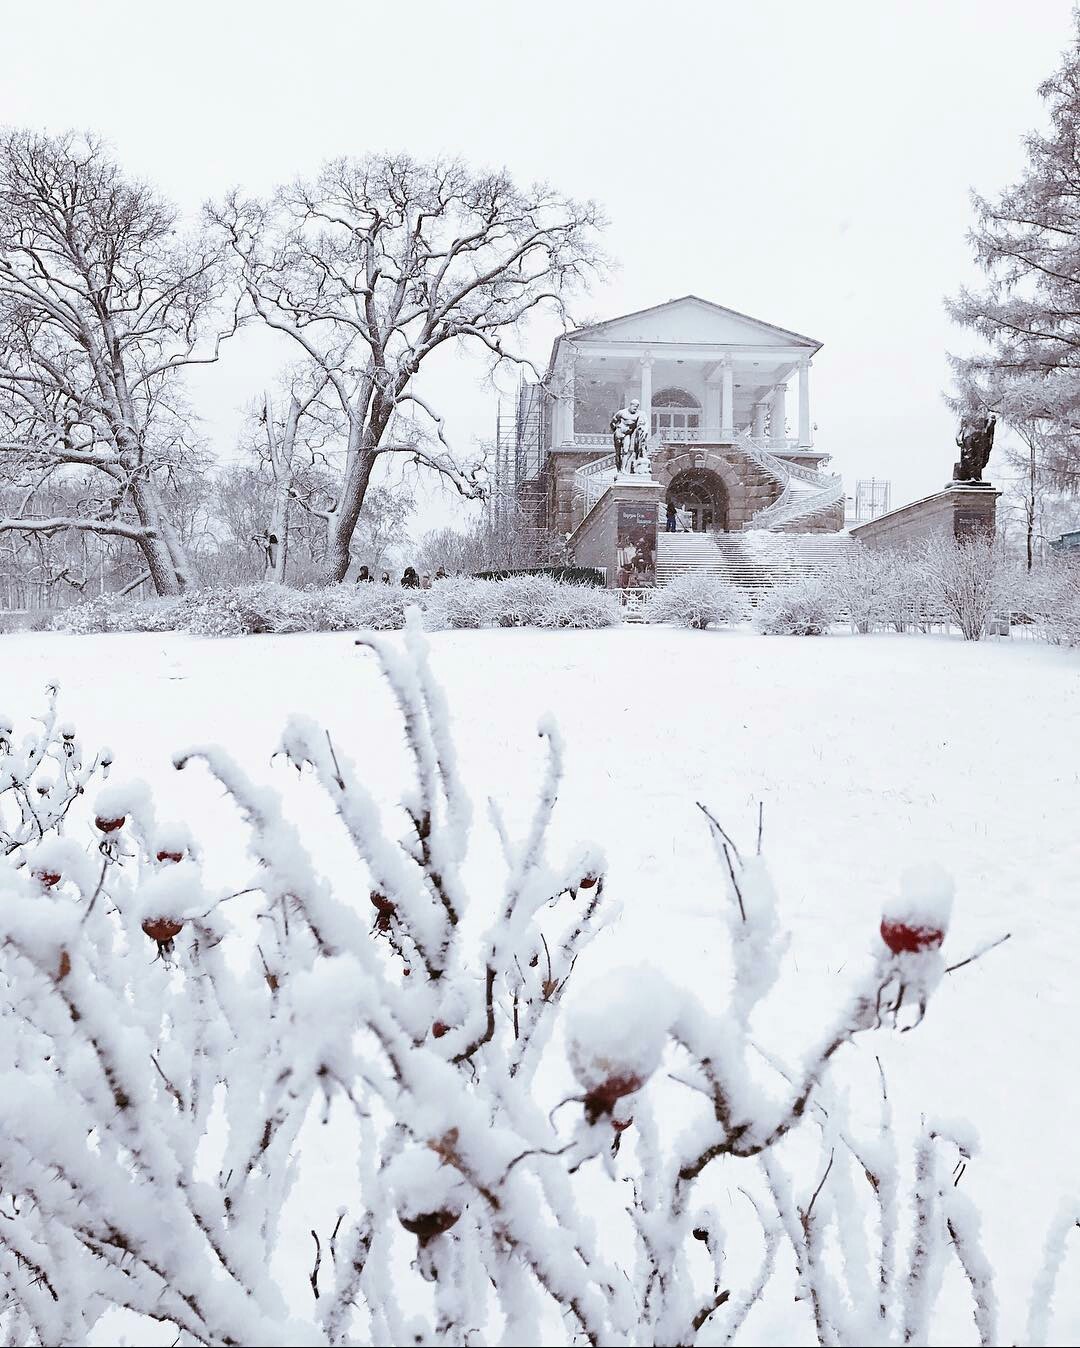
(378, 263)
(102, 305)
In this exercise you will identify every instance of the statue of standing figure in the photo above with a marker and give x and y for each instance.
(975, 440)
(628, 435)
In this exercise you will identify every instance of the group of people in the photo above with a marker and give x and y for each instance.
(410, 580)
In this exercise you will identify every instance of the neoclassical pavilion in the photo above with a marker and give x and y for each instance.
(726, 398)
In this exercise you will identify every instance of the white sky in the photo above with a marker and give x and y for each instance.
(805, 163)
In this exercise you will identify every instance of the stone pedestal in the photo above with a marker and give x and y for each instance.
(596, 541)
(961, 509)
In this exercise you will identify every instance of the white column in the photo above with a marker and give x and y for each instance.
(760, 412)
(566, 414)
(727, 407)
(779, 415)
(645, 397)
(712, 402)
(804, 402)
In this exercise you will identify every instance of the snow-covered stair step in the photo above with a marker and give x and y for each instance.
(753, 559)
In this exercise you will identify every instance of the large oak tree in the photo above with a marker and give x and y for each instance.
(102, 305)
(380, 262)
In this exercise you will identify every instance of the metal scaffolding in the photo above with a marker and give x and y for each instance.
(517, 502)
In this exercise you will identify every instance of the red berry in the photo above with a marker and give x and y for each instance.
(47, 878)
(903, 938)
(406, 971)
(587, 881)
(109, 824)
(439, 1029)
(166, 855)
(162, 929)
(382, 903)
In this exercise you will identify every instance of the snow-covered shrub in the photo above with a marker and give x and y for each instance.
(696, 599)
(524, 1153)
(805, 608)
(909, 605)
(1050, 596)
(99, 614)
(26, 620)
(244, 611)
(42, 774)
(522, 601)
(459, 601)
(970, 580)
(863, 583)
(581, 606)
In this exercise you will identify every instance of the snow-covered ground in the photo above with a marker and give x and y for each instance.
(868, 753)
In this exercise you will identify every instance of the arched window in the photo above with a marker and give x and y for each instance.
(673, 409)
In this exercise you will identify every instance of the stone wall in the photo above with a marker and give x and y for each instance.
(559, 472)
(950, 514)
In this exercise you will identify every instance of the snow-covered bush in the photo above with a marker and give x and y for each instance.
(580, 606)
(1050, 596)
(863, 583)
(970, 581)
(522, 601)
(522, 1152)
(245, 611)
(99, 614)
(458, 601)
(697, 599)
(805, 608)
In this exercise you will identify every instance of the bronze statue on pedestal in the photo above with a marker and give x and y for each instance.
(975, 440)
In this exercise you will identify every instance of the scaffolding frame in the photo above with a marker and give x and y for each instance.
(517, 500)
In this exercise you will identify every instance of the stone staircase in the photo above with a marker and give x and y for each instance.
(755, 559)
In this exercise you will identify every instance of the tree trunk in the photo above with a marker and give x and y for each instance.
(161, 560)
(279, 529)
(342, 523)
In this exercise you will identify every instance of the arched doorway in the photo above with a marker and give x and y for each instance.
(700, 498)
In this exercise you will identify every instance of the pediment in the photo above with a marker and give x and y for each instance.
(693, 321)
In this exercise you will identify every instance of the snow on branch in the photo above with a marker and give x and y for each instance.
(523, 1151)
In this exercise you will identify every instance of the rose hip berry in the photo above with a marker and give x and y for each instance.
(603, 1098)
(905, 938)
(162, 929)
(110, 824)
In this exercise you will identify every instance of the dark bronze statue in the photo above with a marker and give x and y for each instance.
(975, 441)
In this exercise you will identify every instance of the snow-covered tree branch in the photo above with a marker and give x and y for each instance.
(524, 1151)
